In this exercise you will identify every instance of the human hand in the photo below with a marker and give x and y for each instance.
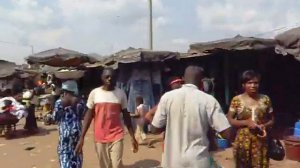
(134, 115)
(251, 124)
(262, 133)
(135, 145)
(74, 100)
(149, 117)
(78, 148)
(65, 101)
(68, 99)
(262, 127)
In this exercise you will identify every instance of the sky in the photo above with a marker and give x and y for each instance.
(107, 26)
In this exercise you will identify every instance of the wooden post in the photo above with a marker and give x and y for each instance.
(226, 79)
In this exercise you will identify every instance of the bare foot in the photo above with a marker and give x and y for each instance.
(150, 145)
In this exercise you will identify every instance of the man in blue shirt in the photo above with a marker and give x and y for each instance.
(68, 113)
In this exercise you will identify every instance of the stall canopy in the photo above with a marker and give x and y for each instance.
(132, 55)
(230, 44)
(289, 43)
(6, 68)
(59, 57)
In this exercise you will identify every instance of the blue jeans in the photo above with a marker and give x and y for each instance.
(141, 88)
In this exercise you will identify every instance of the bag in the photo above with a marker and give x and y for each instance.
(276, 150)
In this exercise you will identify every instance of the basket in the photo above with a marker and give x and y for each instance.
(73, 74)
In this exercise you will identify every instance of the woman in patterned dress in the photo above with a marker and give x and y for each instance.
(252, 114)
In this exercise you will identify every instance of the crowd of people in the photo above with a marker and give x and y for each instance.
(184, 115)
(16, 103)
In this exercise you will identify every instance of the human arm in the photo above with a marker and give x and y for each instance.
(217, 119)
(58, 111)
(226, 133)
(136, 114)
(241, 123)
(150, 114)
(87, 122)
(270, 115)
(231, 116)
(127, 121)
(88, 117)
(81, 109)
(159, 120)
(270, 123)
(156, 130)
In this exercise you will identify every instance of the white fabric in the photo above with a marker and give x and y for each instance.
(27, 94)
(139, 134)
(20, 113)
(187, 114)
(49, 79)
(142, 110)
(19, 109)
(99, 95)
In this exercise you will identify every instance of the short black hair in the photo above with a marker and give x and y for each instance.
(108, 69)
(139, 99)
(69, 92)
(193, 75)
(249, 75)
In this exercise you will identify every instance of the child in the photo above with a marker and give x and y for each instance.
(68, 113)
(140, 114)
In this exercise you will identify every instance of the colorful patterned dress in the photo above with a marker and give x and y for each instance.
(69, 122)
(250, 151)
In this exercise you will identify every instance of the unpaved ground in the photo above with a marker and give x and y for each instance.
(39, 151)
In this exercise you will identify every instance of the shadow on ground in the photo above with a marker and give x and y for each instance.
(22, 133)
(144, 164)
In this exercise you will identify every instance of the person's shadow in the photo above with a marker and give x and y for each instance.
(22, 133)
(147, 163)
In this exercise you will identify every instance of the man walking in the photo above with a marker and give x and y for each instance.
(187, 113)
(105, 105)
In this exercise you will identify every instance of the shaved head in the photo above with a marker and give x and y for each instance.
(108, 71)
(193, 75)
(108, 78)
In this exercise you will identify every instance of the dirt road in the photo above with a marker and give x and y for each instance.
(39, 151)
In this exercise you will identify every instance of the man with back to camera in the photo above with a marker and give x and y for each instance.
(187, 114)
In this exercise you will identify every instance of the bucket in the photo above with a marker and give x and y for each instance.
(222, 143)
(297, 125)
(297, 132)
(292, 148)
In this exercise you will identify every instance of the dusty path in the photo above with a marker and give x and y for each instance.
(39, 151)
